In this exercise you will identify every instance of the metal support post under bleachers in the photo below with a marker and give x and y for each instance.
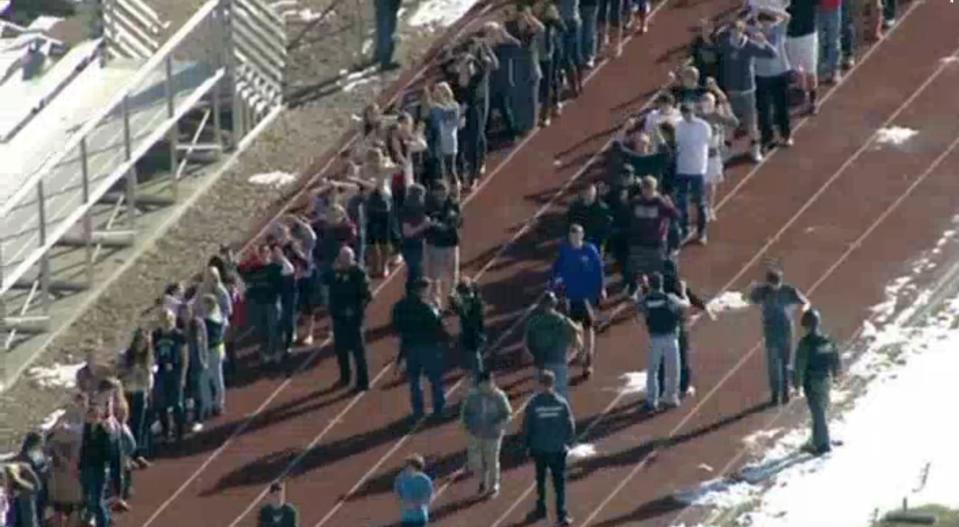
(174, 134)
(87, 218)
(231, 70)
(44, 258)
(131, 176)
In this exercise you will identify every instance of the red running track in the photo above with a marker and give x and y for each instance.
(842, 213)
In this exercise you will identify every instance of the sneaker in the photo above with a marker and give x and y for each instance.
(835, 78)
(849, 63)
(565, 520)
(888, 23)
(494, 493)
(756, 153)
(197, 427)
(690, 391)
(590, 63)
(702, 239)
(787, 142)
(308, 340)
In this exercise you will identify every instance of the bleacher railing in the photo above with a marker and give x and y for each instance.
(131, 29)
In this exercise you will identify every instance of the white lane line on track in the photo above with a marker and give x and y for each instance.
(305, 190)
(756, 347)
(745, 268)
(849, 250)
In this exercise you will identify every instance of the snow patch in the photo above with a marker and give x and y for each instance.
(581, 451)
(895, 428)
(894, 135)
(440, 13)
(273, 179)
(632, 382)
(56, 376)
(728, 301)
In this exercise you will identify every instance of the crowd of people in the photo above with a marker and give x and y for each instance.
(399, 202)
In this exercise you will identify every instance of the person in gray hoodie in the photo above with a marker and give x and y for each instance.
(549, 430)
(485, 414)
(739, 50)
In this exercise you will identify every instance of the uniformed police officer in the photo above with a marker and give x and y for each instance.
(663, 313)
(349, 289)
(817, 366)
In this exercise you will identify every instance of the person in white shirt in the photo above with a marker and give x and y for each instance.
(663, 112)
(693, 136)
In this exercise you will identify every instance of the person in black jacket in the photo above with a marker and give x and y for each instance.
(673, 284)
(349, 288)
(469, 306)
(423, 341)
(99, 443)
(593, 215)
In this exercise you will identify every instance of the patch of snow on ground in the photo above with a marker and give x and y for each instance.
(896, 429)
(896, 421)
(894, 135)
(441, 13)
(581, 451)
(357, 78)
(633, 382)
(7, 456)
(728, 301)
(56, 376)
(273, 179)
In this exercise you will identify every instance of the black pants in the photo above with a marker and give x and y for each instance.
(772, 107)
(555, 463)
(474, 142)
(889, 9)
(501, 103)
(685, 371)
(348, 340)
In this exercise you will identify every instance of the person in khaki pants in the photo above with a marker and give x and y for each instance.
(486, 412)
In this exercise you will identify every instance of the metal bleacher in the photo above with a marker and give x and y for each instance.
(201, 89)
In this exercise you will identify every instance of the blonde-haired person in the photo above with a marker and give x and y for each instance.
(215, 325)
(446, 117)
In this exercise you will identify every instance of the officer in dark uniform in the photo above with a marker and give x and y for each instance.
(423, 343)
(817, 366)
(349, 288)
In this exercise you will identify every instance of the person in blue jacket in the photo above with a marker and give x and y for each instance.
(578, 271)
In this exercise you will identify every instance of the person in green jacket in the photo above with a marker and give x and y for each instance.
(817, 366)
(279, 513)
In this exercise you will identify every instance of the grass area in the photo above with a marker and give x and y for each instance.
(945, 517)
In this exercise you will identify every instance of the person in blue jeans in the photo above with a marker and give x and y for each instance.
(423, 340)
(387, 14)
(829, 26)
(414, 489)
(95, 457)
(589, 12)
(572, 53)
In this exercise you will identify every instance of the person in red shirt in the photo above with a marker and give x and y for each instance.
(646, 234)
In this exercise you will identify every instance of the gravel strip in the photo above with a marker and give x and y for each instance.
(224, 213)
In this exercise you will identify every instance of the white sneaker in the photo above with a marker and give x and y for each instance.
(756, 154)
(197, 427)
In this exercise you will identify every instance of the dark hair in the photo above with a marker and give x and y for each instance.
(30, 441)
(666, 98)
(485, 376)
(419, 284)
(276, 487)
(774, 276)
(656, 281)
(416, 461)
(547, 378)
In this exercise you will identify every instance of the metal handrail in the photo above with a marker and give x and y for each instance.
(167, 49)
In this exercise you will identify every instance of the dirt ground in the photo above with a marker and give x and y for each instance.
(231, 207)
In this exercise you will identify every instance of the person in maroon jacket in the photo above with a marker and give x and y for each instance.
(646, 234)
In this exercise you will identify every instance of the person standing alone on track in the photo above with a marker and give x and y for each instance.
(663, 313)
(549, 430)
(776, 300)
(349, 289)
(414, 489)
(817, 366)
(485, 414)
(550, 339)
(423, 339)
(578, 271)
(279, 513)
